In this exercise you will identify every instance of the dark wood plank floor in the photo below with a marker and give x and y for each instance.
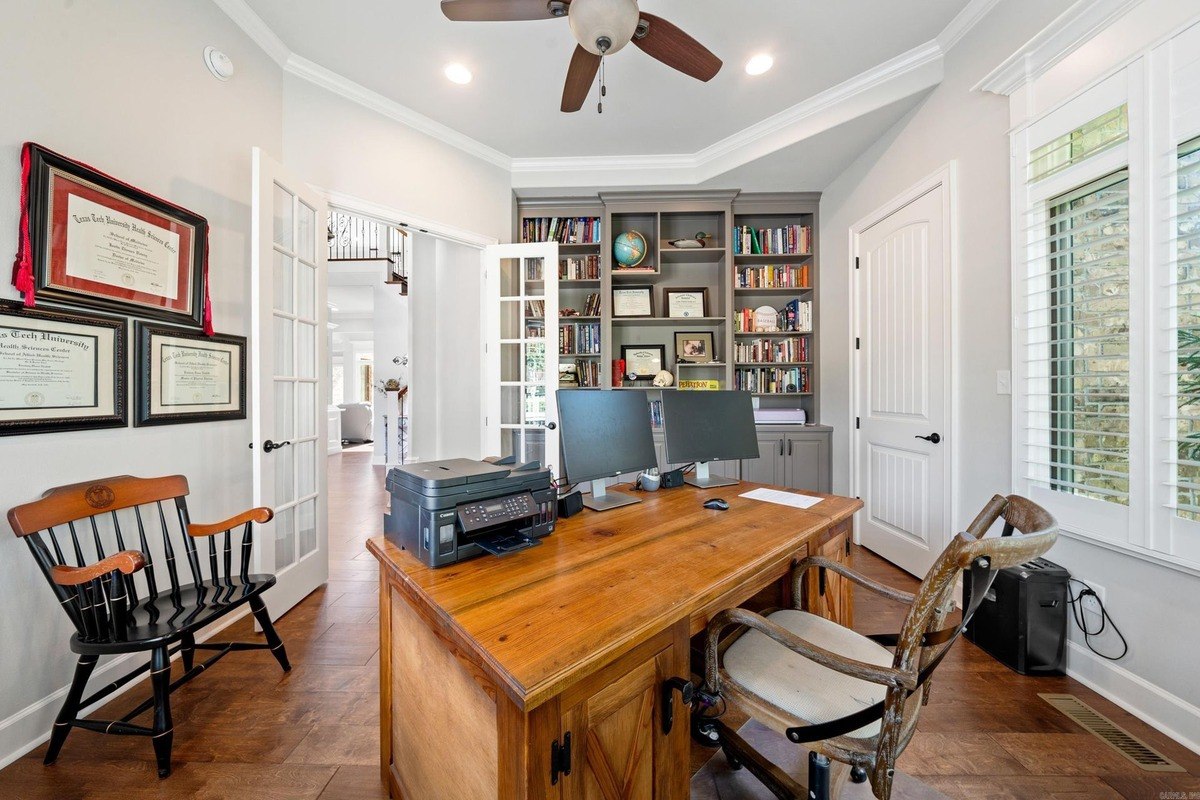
(248, 730)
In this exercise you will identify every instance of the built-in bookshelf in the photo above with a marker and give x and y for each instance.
(756, 270)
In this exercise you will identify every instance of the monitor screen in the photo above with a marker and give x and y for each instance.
(604, 433)
(709, 426)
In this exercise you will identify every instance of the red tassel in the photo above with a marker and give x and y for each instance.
(208, 320)
(22, 277)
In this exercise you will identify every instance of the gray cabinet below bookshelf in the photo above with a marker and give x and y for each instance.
(795, 456)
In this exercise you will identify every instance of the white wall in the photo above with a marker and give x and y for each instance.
(341, 146)
(390, 340)
(120, 84)
(1150, 603)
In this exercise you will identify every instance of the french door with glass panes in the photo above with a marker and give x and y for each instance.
(521, 291)
(290, 391)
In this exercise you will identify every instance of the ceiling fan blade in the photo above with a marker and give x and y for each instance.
(580, 76)
(502, 10)
(676, 49)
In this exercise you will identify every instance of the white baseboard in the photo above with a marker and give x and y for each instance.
(1150, 703)
(30, 727)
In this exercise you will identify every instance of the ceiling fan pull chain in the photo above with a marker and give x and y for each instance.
(603, 88)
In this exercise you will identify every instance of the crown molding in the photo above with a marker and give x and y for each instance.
(893, 80)
(1062, 37)
(333, 82)
(253, 26)
(909, 73)
(963, 22)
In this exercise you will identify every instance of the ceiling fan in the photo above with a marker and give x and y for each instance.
(602, 27)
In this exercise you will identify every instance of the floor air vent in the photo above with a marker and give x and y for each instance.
(1112, 734)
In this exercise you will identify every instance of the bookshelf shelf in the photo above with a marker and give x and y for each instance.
(678, 322)
(778, 220)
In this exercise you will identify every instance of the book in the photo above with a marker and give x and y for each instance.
(787, 240)
(699, 385)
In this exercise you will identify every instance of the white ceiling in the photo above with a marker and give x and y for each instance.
(399, 47)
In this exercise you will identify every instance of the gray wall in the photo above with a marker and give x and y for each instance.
(1151, 603)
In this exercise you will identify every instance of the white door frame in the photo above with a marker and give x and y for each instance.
(414, 222)
(946, 177)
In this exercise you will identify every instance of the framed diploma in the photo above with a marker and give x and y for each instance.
(633, 301)
(184, 376)
(99, 243)
(685, 302)
(643, 360)
(60, 371)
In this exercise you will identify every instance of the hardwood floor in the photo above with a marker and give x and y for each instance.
(248, 730)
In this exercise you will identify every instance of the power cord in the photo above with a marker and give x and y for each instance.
(1077, 613)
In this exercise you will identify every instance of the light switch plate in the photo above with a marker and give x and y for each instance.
(1003, 381)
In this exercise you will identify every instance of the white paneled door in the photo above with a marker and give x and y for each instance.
(902, 362)
(521, 362)
(290, 391)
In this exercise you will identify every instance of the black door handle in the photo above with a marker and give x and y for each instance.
(551, 425)
(933, 438)
(269, 446)
(687, 692)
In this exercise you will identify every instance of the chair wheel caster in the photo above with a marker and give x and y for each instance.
(858, 775)
(704, 732)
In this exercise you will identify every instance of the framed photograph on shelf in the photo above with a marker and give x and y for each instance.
(633, 301)
(96, 242)
(61, 371)
(685, 303)
(643, 361)
(695, 347)
(184, 376)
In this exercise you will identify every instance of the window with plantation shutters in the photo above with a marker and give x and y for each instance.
(1078, 344)
(1186, 475)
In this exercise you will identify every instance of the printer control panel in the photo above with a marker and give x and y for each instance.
(496, 511)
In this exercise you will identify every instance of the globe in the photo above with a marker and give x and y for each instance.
(629, 249)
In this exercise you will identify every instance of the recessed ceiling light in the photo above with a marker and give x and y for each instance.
(759, 64)
(458, 73)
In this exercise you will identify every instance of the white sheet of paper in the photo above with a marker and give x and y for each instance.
(782, 498)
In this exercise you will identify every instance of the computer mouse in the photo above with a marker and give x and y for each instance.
(717, 503)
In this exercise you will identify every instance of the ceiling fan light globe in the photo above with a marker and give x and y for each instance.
(595, 20)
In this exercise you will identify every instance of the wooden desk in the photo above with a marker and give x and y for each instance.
(487, 666)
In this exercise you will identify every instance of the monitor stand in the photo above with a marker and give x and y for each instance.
(603, 500)
(704, 480)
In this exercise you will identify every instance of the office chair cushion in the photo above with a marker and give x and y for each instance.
(808, 690)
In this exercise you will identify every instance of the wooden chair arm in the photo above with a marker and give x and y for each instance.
(260, 515)
(887, 676)
(127, 561)
(841, 569)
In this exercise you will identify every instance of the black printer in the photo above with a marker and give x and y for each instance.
(448, 511)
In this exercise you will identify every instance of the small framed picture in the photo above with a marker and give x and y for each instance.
(633, 301)
(61, 371)
(684, 303)
(643, 361)
(184, 376)
(695, 347)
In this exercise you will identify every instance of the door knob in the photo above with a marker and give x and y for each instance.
(269, 446)
(551, 425)
(933, 438)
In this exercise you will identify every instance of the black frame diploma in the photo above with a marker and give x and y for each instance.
(184, 376)
(60, 371)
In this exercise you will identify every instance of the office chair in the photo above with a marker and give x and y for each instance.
(855, 701)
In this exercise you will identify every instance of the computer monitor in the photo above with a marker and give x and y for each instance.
(708, 426)
(604, 434)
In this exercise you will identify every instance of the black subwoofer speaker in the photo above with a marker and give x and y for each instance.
(1022, 620)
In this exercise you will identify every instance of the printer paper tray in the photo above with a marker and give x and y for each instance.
(501, 544)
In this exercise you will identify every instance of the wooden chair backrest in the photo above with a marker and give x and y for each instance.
(80, 524)
(1038, 531)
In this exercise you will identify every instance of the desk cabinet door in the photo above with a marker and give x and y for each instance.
(830, 595)
(769, 466)
(619, 751)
